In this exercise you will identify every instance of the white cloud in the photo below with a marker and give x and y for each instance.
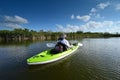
(60, 27)
(98, 16)
(103, 5)
(11, 25)
(115, 27)
(95, 16)
(93, 10)
(78, 17)
(117, 7)
(67, 28)
(13, 21)
(84, 18)
(72, 17)
(108, 23)
(118, 22)
(92, 26)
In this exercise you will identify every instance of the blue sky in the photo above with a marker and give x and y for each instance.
(61, 15)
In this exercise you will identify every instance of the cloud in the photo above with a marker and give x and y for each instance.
(11, 25)
(72, 17)
(91, 20)
(117, 7)
(13, 21)
(98, 16)
(84, 18)
(93, 10)
(103, 5)
(92, 26)
(93, 14)
(67, 28)
(115, 27)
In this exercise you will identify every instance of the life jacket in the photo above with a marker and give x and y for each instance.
(59, 47)
(62, 44)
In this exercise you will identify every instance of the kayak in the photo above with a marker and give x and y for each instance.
(47, 57)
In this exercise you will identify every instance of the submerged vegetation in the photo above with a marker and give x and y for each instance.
(26, 34)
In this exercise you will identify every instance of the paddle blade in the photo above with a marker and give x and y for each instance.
(50, 45)
(80, 44)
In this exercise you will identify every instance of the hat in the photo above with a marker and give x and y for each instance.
(63, 35)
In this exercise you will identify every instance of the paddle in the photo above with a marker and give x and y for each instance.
(80, 44)
(53, 44)
(50, 44)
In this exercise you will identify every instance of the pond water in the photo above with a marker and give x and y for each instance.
(97, 59)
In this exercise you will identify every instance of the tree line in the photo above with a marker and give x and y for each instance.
(26, 34)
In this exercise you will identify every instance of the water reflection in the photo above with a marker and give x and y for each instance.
(98, 59)
(17, 43)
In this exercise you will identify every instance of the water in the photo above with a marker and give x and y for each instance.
(98, 59)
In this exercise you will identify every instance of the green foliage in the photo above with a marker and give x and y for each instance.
(79, 32)
(26, 34)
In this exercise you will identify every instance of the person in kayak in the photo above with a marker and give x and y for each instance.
(62, 41)
(62, 44)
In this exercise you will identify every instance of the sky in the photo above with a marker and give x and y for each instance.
(61, 15)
